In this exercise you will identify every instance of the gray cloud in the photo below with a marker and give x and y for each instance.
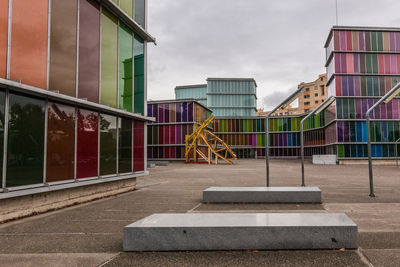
(279, 43)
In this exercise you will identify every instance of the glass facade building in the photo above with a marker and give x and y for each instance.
(196, 92)
(174, 120)
(72, 92)
(363, 64)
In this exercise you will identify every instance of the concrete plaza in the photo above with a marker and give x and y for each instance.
(91, 234)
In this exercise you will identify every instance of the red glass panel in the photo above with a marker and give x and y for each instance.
(3, 37)
(138, 146)
(87, 145)
(60, 143)
(29, 42)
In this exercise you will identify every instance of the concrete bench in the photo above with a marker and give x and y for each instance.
(240, 231)
(262, 195)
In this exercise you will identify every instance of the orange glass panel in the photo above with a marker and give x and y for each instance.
(29, 42)
(3, 37)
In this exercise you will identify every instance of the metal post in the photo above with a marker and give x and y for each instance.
(397, 158)
(288, 100)
(315, 111)
(387, 97)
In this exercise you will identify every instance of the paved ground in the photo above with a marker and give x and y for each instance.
(91, 234)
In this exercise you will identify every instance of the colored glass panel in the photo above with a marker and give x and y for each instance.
(109, 59)
(3, 38)
(108, 144)
(25, 148)
(125, 145)
(139, 70)
(125, 67)
(127, 6)
(60, 142)
(89, 50)
(28, 61)
(62, 76)
(87, 144)
(140, 14)
(138, 147)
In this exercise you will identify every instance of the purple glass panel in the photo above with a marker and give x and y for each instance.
(276, 139)
(254, 140)
(166, 113)
(160, 114)
(351, 86)
(178, 135)
(358, 104)
(356, 63)
(342, 35)
(362, 42)
(340, 131)
(185, 112)
(337, 63)
(389, 110)
(344, 86)
(397, 35)
(364, 107)
(395, 108)
(190, 111)
(285, 137)
(357, 86)
(393, 64)
(382, 108)
(392, 42)
(178, 112)
(150, 153)
(343, 63)
(160, 152)
(370, 104)
(150, 110)
(346, 133)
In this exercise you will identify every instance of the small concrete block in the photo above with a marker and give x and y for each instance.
(151, 165)
(262, 195)
(324, 159)
(241, 231)
(160, 163)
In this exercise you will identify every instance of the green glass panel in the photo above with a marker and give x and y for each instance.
(375, 63)
(127, 6)
(353, 131)
(271, 125)
(391, 131)
(125, 67)
(245, 126)
(109, 59)
(396, 129)
(108, 144)
(225, 125)
(138, 49)
(250, 125)
(380, 41)
(293, 123)
(155, 135)
(363, 87)
(368, 58)
(25, 151)
(345, 108)
(2, 110)
(150, 135)
(340, 151)
(373, 41)
(378, 131)
(352, 112)
(125, 145)
(279, 124)
(258, 125)
(373, 138)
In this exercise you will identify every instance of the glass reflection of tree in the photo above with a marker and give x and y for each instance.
(108, 145)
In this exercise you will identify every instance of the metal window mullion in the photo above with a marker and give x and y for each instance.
(133, 70)
(98, 144)
(5, 139)
(76, 143)
(118, 132)
(118, 52)
(9, 29)
(133, 143)
(100, 28)
(77, 47)
(46, 114)
(48, 45)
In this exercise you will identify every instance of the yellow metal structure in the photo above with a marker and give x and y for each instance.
(215, 146)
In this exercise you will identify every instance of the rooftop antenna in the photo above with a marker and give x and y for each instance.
(337, 20)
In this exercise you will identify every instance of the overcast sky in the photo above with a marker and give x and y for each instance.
(278, 43)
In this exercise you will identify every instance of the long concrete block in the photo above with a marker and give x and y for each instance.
(241, 231)
(262, 195)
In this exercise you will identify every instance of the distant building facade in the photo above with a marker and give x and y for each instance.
(313, 95)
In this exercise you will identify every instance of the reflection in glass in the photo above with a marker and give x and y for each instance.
(25, 148)
(125, 67)
(108, 144)
(63, 46)
(89, 50)
(109, 59)
(125, 145)
(138, 148)
(140, 15)
(139, 75)
(2, 110)
(87, 144)
(60, 142)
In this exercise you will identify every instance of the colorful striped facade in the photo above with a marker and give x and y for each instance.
(174, 120)
(72, 92)
(362, 65)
